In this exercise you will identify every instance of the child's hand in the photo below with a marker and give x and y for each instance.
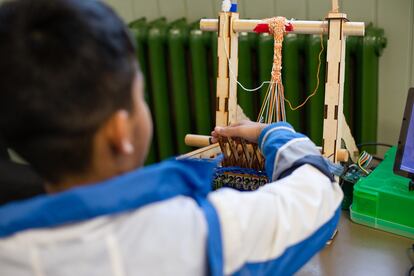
(244, 129)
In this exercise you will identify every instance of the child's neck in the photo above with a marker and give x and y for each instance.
(74, 181)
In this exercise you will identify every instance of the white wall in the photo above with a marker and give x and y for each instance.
(396, 65)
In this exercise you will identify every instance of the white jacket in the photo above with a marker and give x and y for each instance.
(273, 230)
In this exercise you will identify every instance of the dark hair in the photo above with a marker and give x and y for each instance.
(65, 67)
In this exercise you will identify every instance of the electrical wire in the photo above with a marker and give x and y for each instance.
(374, 144)
(233, 75)
(363, 161)
(360, 166)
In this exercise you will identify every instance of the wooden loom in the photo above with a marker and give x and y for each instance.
(335, 128)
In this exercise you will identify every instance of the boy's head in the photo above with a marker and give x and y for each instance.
(71, 98)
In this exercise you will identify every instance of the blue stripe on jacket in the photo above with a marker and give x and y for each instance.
(295, 256)
(273, 140)
(127, 192)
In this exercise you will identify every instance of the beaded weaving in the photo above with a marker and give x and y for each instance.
(241, 179)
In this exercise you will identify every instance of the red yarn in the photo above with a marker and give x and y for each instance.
(261, 28)
(264, 28)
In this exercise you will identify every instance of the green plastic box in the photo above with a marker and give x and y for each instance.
(382, 200)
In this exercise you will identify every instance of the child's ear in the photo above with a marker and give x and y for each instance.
(118, 132)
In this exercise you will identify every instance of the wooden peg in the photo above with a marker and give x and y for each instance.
(198, 141)
(342, 155)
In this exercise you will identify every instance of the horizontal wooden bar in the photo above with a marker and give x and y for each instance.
(213, 150)
(207, 152)
(299, 26)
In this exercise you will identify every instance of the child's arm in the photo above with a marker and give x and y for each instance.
(279, 227)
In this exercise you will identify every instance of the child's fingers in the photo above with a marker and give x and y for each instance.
(232, 131)
(240, 123)
(214, 137)
(244, 129)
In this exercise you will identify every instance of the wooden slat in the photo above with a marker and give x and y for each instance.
(349, 140)
(222, 91)
(233, 74)
(332, 125)
(207, 152)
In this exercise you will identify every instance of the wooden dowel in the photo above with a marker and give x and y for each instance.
(299, 26)
(198, 141)
(342, 155)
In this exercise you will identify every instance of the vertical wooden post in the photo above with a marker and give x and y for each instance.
(222, 92)
(335, 6)
(226, 101)
(334, 86)
(234, 64)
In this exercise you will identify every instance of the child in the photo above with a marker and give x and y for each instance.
(72, 106)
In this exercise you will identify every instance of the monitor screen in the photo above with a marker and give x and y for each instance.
(404, 161)
(407, 162)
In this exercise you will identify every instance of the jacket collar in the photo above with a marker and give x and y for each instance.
(133, 190)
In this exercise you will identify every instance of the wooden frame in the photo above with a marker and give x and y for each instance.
(336, 25)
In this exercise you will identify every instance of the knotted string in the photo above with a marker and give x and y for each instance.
(273, 107)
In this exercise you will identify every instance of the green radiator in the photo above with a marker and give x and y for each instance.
(180, 64)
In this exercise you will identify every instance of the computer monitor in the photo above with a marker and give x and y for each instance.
(404, 160)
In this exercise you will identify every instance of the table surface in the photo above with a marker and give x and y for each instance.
(361, 250)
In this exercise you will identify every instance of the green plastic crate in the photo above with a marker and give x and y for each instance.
(382, 200)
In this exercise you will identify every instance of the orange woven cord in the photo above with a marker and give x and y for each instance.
(273, 108)
(277, 28)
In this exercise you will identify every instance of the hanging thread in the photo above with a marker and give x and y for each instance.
(233, 76)
(315, 90)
